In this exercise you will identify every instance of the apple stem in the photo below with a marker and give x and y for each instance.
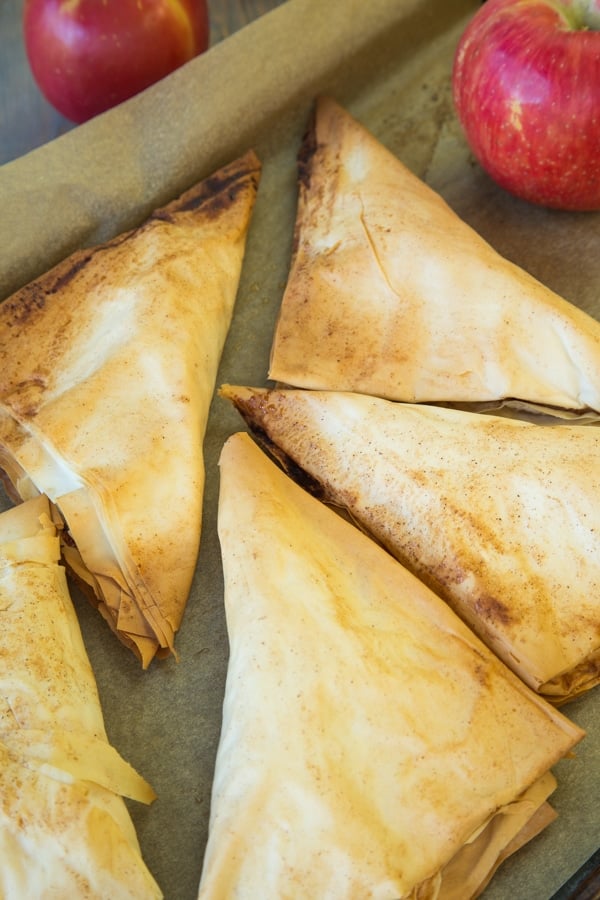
(587, 13)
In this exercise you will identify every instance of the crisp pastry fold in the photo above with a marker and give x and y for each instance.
(64, 828)
(107, 371)
(499, 516)
(390, 293)
(368, 738)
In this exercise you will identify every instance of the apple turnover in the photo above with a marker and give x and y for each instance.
(371, 745)
(390, 293)
(64, 828)
(499, 516)
(107, 371)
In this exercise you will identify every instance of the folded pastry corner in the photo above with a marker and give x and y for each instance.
(500, 517)
(371, 745)
(64, 827)
(107, 370)
(390, 293)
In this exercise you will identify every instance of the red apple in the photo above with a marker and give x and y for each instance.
(526, 87)
(88, 55)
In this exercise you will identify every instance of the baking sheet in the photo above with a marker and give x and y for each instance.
(388, 62)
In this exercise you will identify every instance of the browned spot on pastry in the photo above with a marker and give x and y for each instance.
(30, 299)
(492, 610)
(217, 192)
(306, 153)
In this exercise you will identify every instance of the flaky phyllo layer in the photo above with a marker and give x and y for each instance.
(64, 827)
(107, 370)
(371, 745)
(390, 293)
(499, 516)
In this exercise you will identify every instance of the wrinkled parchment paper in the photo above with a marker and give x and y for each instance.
(389, 63)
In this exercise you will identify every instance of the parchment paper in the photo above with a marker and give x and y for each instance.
(389, 63)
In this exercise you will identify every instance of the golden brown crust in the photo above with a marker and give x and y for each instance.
(208, 200)
(368, 737)
(107, 368)
(389, 293)
(494, 514)
(65, 827)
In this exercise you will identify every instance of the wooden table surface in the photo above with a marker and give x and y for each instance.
(26, 119)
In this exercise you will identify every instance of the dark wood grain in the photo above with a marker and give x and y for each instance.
(26, 119)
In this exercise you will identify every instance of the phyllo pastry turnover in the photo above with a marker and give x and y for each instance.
(371, 745)
(498, 516)
(391, 293)
(107, 371)
(65, 830)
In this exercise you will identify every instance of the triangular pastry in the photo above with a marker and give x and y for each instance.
(64, 828)
(107, 370)
(371, 745)
(499, 516)
(390, 293)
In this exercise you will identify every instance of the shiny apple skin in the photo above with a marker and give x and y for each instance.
(526, 88)
(87, 56)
